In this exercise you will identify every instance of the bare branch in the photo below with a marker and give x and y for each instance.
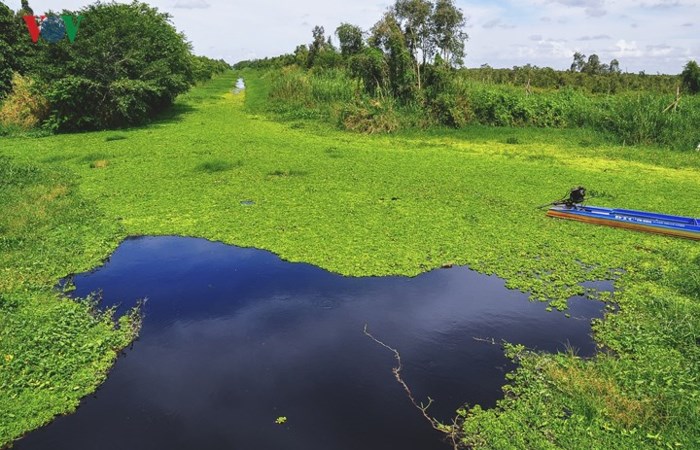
(491, 341)
(450, 430)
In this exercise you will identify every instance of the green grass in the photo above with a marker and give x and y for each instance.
(466, 197)
(630, 118)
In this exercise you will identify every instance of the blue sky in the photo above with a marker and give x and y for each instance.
(650, 35)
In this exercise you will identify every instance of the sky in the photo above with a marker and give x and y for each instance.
(656, 36)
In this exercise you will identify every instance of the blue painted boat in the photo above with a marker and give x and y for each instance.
(686, 227)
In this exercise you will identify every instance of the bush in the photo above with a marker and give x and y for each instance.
(25, 107)
(204, 68)
(127, 63)
(370, 116)
(451, 110)
(13, 41)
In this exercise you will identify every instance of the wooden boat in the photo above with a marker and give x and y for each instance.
(686, 227)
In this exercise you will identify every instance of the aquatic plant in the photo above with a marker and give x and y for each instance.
(466, 198)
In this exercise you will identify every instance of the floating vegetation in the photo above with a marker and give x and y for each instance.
(217, 165)
(115, 137)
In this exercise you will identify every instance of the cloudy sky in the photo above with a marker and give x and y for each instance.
(650, 35)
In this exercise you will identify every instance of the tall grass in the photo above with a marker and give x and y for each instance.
(298, 94)
(632, 118)
(25, 107)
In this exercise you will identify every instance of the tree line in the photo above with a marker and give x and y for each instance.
(396, 56)
(127, 63)
(418, 43)
(407, 71)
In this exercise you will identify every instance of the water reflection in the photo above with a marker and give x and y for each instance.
(234, 338)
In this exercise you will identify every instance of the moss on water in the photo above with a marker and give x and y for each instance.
(324, 197)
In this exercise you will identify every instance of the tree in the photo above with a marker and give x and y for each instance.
(301, 55)
(387, 36)
(579, 62)
(26, 8)
(127, 63)
(350, 39)
(690, 77)
(7, 44)
(15, 47)
(371, 67)
(317, 45)
(614, 66)
(592, 66)
(447, 32)
(415, 19)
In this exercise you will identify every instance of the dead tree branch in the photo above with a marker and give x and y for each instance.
(449, 430)
(491, 341)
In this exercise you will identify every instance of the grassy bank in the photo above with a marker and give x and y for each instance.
(463, 196)
(626, 118)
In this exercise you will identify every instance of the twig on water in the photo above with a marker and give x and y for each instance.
(491, 341)
(450, 430)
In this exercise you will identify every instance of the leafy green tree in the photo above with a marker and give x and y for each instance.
(387, 36)
(12, 47)
(579, 62)
(204, 68)
(318, 44)
(691, 77)
(350, 39)
(448, 32)
(593, 65)
(614, 66)
(26, 9)
(415, 19)
(127, 63)
(371, 67)
(301, 55)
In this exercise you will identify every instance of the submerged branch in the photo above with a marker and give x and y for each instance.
(450, 430)
(491, 341)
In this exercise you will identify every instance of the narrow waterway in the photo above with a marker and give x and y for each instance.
(235, 338)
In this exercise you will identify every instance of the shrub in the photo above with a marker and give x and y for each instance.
(25, 107)
(451, 110)
(370, 116)
(204, 68)
(127, 63)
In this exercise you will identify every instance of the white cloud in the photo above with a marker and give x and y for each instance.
(658, 50)
(625, 48)
(502, 33)
(191, 4)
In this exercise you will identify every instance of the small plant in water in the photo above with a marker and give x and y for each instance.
(281, 420)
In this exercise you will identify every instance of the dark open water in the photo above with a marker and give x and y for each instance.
(234, 338)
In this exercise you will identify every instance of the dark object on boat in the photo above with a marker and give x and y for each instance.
(575, 196)
(686, 227)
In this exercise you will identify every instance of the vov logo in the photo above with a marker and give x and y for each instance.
(53, 28)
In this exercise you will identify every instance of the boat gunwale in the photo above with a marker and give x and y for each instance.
(689, 232)
(628, 213)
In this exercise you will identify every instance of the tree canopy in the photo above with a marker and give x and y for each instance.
(691, 77)
(127, 63)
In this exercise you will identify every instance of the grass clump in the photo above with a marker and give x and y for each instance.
(217, 165)
(25, 107)
(115, 137)
(287, 173)
(99, 164)
(370, 116)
